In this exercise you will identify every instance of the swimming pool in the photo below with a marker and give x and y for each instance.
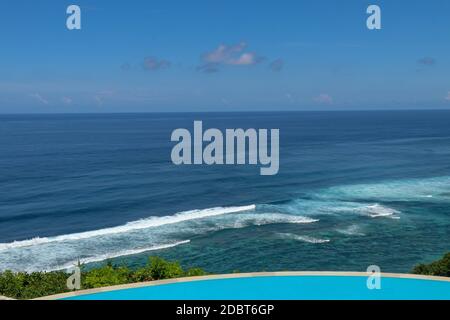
(279, 287)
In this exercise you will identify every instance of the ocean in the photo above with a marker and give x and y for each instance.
(354, 189)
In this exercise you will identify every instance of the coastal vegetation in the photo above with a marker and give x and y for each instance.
(437, 268)
(23, 285)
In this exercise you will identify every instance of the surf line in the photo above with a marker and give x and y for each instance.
(208, 147)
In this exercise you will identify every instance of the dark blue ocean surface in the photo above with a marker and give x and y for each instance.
(354, 189)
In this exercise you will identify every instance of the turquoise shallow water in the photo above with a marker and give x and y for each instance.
(354, 189)
(284, 288)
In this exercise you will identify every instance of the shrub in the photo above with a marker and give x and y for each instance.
(105, 276)
(31, 285)
(437, 268)
(142, 275)
(159, 269)
(24, 285)
(195, 272)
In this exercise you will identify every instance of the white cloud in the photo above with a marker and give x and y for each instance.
(243, 59)
(153, 64)
(427, 61)
(228, 55)
(324, 98)
(66, 100)
(103, 95)
(224, 53)
(277, 65)
(98, 100)
(448, 96)
(39, 98)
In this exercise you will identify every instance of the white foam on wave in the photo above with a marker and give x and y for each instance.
(370, 210)
(118, 254)
(353, 230)
(302, 238)
(314, 207)
(433, 189)
(131, 226)
(164, 232)
(377, 211)
(260, 219)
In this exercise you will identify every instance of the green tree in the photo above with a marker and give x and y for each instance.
(31, 285)
(105, 276)
(437, 268)
(195, 272)
(161, 269)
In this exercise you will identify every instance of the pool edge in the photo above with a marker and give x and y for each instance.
(236, 275)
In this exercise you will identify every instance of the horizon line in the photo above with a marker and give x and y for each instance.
(218, 112)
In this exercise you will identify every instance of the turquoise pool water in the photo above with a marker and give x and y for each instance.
(283, 288)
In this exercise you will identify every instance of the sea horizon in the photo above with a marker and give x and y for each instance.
(227, 112)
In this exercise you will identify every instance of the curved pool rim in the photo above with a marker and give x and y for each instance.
(90, 294)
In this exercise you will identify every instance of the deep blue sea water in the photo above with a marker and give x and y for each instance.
(354, 189)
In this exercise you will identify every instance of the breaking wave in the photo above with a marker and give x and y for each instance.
(153, 233)
(353, 230)
(130, 226)
(377, 210)
(347, 204)
(118, 254)
(307, 239)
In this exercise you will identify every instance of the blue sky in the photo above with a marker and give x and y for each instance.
(217, 55)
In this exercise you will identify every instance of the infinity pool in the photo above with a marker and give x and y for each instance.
(281, 288)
